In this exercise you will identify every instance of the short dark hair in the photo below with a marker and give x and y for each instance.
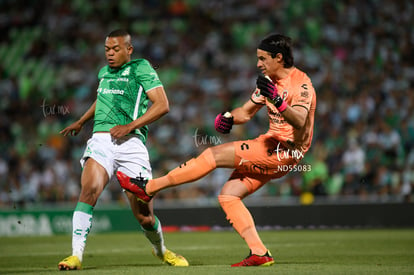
(278, 43)
(118, 33)
(121, 33)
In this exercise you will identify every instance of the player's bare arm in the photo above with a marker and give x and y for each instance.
(76, 127)
(244, 113)
(159, 107)
(295, 116)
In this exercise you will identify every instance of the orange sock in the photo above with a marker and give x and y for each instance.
(242, 221)
(191, 170)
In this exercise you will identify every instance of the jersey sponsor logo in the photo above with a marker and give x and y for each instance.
(110, 91)
(275, 116)
(278, 120)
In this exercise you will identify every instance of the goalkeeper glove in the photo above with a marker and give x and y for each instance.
(223, 124)
(269, 90)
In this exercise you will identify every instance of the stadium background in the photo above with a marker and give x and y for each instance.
(358, 54)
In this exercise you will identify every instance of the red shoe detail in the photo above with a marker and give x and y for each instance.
(256, 260)
(134, 185)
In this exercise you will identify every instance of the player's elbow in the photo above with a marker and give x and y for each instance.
(298, 123)
(164, 109)
(297, 118)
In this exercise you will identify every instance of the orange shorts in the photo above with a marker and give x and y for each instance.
(259, 160)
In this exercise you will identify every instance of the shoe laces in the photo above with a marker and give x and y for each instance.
(140, 177)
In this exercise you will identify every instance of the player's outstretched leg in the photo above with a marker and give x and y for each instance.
(256, 260)
(135, 186)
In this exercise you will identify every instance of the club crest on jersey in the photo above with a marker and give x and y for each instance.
(284, 94)
(126, 72)
(256, 93)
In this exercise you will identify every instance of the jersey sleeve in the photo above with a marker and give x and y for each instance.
(102, 72)
(257, 98)
(147, 76)
(303, 97)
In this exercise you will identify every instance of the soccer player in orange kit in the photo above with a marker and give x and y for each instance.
(290, 99)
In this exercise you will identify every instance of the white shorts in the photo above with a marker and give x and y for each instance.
(127, 154)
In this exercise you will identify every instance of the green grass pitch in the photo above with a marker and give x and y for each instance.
(366, 251)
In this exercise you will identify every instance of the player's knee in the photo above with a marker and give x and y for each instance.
(223, 155)
(226, 199)
(90, 195)
(211, 152)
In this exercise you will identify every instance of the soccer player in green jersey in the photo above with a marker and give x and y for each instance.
(121, 116)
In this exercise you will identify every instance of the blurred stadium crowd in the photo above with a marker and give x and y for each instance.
(358, 54)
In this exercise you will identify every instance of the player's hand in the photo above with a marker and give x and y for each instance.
(120, 131)
(72, 129)
(266, 87)
(223, 123)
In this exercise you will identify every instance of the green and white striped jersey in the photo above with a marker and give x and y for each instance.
(122, 95)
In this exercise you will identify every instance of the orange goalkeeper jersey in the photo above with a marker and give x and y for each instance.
(297, 90)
